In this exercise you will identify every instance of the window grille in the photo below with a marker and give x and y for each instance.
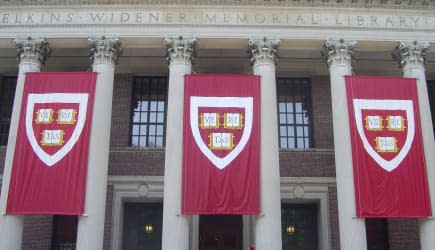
(294, 112)
(148, 120)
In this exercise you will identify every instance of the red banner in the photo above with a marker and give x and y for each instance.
(388, 158)
(221, 144)
(51, 152)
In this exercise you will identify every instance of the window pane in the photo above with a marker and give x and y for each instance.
(143, 129)
(282, 131)
(290, 107)
(282, 118)
(291, 131)
(152, 141)
(299, 118)
(159, 141)
(159, 129)
(161, 106)
(142, 141)
(307, 142)
(281, 106)
(153, 106)
(290, 118)
(299, 131)
(306, 118)
(298, 107)
(306, 131)
(291, 142)
(160, 117)
(135, 141)
(283, 141)
(136, 116)
(135, 130)
(153, 117)
(300, 142)
(144, 117)
(144, 106)
(152, 130)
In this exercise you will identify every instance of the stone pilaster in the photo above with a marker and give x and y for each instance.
(264, 53)
(339, 57)
(104, 54)
(411, 56)
(31, 53)
(180, 51)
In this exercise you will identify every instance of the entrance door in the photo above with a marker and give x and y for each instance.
(220, 232)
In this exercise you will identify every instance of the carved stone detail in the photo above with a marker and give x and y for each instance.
(104, 50)
(180, 48)
(339, 52)
(32, 50)
(263, 49)
(411, 54)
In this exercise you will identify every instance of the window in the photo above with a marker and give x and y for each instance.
(299, 226)
(7, 93)
(148, 111)
(64, 232)
(431, 90)
(294, 107)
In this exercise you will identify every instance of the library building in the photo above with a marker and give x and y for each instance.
(217, 125)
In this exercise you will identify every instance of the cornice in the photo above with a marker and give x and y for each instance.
(390, 4)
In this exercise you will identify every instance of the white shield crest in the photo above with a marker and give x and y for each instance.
(80, 98)
(245, 103)
(371, 104)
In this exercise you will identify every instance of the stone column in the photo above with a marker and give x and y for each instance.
(411, 56)
(339, 57)
(31, 54)
(175, 226)
(263, 53)
(104, 55)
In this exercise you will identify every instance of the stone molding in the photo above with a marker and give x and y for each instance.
(104, 50)
(32, 50)
(339, 52)
(263, 49)
(403, 4)
(410, 54)
(180, 48)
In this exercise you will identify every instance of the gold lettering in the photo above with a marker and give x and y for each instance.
(360, 20)
(415, 21)
(389, 21)
(169, 17)
(275, 18)
(139, 17)
(402, 21)
(374, 21)
(300, 19)
(54, 17)
(182, 17)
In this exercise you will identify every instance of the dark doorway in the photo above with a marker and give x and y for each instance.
(299, 226)
(220, 232)
(142, 226)
(377, 234)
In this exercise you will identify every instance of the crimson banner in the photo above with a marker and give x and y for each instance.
(51, 152)
(221, 144)
(388, 158)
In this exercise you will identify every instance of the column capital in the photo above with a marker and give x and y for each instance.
(32, 50)
(263, 49)
(180, 48)
(104, 50)
(411, 54)
(339, 52)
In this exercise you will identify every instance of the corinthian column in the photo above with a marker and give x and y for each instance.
(104, 55)
(263, 53)
(31, 54)
(175, 226)
(411, 56)
(339, 57)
